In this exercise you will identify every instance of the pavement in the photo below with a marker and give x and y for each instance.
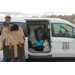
(49, 60)
(52, 60)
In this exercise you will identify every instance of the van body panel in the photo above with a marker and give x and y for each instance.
(58, 44)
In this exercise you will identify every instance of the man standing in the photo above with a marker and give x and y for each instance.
(14, 40)
(6, 23)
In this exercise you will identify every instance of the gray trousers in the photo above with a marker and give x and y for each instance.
(18, 59)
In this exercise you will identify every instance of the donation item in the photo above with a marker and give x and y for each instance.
(46, 49)
(32, 37)
(39, 33)
(40, 42)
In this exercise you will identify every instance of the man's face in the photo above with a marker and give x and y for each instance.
(8, 19)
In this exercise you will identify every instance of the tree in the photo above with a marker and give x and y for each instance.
(53, 16)
(60, 16)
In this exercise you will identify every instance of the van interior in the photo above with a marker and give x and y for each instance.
(38, 33)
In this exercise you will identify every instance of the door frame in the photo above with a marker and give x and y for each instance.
(41, 54)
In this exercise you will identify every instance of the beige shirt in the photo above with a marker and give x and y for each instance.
(12, 37)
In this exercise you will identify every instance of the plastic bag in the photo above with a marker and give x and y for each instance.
(46, 44)
(46, 41)
(39, 33)
(46, 49)
(40, 42)
(32, 37)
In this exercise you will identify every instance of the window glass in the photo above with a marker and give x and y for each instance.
(62, 30)
(19, 24)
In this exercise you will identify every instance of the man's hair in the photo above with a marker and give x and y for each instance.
(14, 27)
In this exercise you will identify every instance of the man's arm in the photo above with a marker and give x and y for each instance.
(1, 27)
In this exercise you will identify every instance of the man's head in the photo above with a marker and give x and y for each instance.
(8, 18)
(14, 27)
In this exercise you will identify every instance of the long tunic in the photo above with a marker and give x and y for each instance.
(13, 41)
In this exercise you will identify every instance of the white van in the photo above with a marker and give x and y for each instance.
(61, 39)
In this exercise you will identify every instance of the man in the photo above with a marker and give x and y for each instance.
(6, 23)
(13, 38)
(7, 20)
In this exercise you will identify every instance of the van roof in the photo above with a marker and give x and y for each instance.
(53, 20)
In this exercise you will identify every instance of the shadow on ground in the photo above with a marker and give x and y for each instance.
(52, 60)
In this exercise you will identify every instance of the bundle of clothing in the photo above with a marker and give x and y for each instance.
(37, 38)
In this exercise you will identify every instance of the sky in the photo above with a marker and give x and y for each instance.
(30, 14)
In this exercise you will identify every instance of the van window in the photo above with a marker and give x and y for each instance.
(21, 24)
(62, 30)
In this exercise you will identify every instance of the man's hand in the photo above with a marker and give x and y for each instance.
(23, 28)
(1, 27)
(1, 49)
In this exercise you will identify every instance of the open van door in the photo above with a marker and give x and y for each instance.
(35, 49)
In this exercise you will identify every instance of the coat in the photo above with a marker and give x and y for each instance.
(14, 42)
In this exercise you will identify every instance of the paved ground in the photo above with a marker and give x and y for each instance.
(51, 60)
